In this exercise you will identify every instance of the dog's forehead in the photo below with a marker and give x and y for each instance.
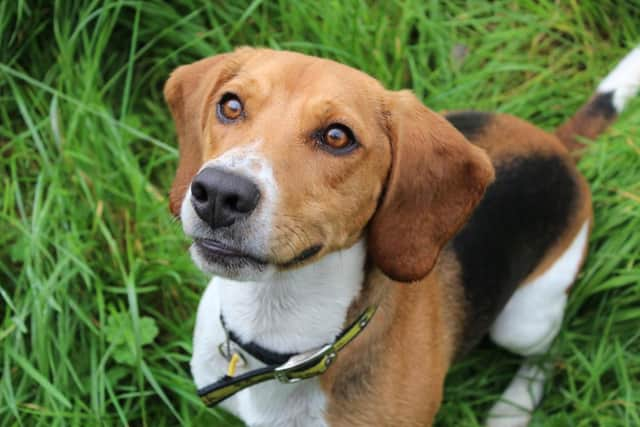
(304, 75)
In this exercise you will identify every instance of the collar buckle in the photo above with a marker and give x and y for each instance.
(306, 365)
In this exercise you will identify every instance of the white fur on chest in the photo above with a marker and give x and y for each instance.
(293, 311)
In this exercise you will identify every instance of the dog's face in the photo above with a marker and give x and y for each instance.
(285, 158)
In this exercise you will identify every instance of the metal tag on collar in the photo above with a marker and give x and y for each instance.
(286, 373)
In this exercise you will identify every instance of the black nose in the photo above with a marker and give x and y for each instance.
(220, 198)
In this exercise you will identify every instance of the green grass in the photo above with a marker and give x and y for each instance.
(87, 153)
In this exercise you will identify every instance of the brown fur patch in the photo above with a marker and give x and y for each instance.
(436, 180)
(506, 136)
(588, 122)
(407, 362)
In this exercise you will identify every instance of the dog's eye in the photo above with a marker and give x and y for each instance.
(229, 108)
(338, 139)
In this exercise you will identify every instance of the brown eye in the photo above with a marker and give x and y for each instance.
(229, 108)
(338, 139)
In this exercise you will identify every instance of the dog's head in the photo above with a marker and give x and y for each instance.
(285, 158)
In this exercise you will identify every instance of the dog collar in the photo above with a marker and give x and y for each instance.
(298, 367)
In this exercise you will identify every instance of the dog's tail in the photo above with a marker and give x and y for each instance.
(610, 98)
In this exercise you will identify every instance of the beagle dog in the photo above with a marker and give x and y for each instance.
(359, 242)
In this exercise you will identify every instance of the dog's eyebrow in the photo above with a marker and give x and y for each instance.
(228, 72)
(231, 69)
(333, 108)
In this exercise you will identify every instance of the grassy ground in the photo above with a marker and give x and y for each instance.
(97, 293)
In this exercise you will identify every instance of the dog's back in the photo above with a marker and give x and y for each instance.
(527, 218)
(524, 244)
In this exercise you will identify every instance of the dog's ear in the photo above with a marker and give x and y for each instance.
(436, 179)
(186, 93)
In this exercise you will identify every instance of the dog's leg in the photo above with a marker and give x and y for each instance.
(527, 326)
(520, 398)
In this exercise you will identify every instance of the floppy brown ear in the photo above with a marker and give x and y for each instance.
(185, 92)
(437, 178)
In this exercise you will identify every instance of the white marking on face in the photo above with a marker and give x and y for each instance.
(252, 234)
(624, 80)
(532, 317)
(291, 311)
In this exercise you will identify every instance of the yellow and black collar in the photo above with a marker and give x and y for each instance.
(296, 368)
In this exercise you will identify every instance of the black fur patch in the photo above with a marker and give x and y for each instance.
(469, 123)
(602, 105)
(521, 216)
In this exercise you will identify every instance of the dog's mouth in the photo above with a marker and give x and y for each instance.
(220, 253)
(302, 256)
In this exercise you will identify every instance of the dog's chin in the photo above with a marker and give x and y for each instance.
(231, 266)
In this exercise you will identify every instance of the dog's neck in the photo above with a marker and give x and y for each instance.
(296, 310)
